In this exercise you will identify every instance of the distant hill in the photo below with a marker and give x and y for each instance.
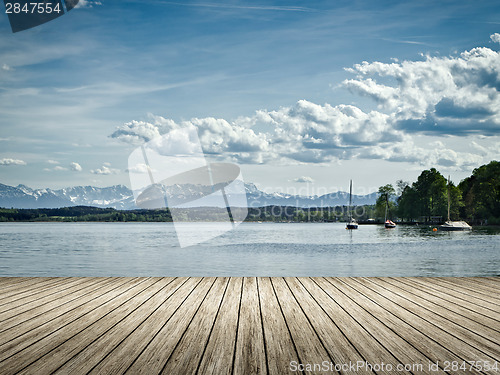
(120, 197)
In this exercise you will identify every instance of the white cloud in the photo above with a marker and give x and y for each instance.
(138, 132)
(59, 168)
(495, 37)
(75, 167)
(6, 67)
(304, 179)
(452, 96)
(305, 132)
(50, 161)
(8, 161)
(87, 4)
(438, 95)
(139, 168)
(105, 170)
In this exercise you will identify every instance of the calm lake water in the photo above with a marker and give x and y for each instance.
(252, 249)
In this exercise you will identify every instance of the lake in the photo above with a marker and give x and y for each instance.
(252, 249)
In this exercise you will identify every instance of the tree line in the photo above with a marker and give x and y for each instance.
(476, 199)
(206, 214)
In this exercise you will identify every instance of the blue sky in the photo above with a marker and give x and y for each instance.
(303, 95)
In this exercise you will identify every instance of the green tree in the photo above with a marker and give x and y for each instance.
(481, 194)
(386, 193)
(408, 204)
(431, 193)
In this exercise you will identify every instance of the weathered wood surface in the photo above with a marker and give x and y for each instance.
(249, 325)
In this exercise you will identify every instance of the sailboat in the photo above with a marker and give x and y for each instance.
(450, 225)
(388, 223)
(351, 224)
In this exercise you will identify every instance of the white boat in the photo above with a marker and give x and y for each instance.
(388, 223)
(451, 225)
(455, 225)
(351, 224)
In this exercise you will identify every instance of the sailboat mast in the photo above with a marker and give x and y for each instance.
(449, 198)
(350, 201)
(386, 207)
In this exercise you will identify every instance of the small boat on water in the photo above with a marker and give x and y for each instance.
(451, 225)
(352, 223)
(388, 223)
(455, 226)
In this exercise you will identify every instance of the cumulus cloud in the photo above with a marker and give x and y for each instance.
(439, 96)
(50, 161)
(140, 168)
(456, 95)
(6, 67)
(75, 167)
(436, 154)
(495, 37)
(305, 132)
(8, 161)
(105, 170)
(304, 179)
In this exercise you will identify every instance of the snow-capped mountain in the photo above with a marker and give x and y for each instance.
(118, 196)
(122, 198)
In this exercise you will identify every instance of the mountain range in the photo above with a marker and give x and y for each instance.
(122, 198)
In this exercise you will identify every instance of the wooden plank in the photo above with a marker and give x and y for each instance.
(250, 356)
(126, 352)
(85, 360)
(31, 286)
(479, 283)
(336, 342)
(31, 290)
(10, 283)
(470, 290)
(54, 336)
(473, 333)
(327, 297)
(26, 333)
(219, 352)
(188, 353)
(309, 347)
(51, 360)
(400, 351)
(243, 325)
(492, 282)
(25, 309)
(453, 337)
(153, 358)
(45, 311)
(431, 299)
(7, 283)
(479, 306)
(278, 342)
(374, 304)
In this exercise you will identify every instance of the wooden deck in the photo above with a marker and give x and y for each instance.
(249, 325)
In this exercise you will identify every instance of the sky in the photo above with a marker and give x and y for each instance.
(304, 96)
